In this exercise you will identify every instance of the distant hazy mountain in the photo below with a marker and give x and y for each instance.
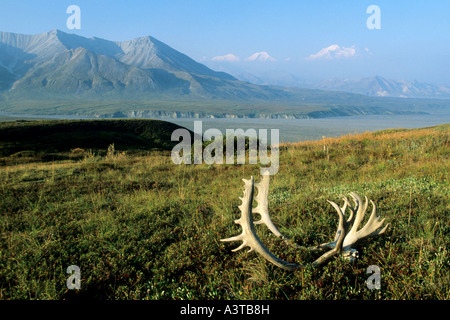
(260, 56)
(370, 86)
(382, 87)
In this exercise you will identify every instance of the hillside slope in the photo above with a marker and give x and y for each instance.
(58, 136)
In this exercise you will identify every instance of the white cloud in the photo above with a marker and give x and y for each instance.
(333, 52)
(228, 57)
(261, 56)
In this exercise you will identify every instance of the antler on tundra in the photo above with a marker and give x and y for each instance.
(357, 213)
(344, 238)
(248, 235)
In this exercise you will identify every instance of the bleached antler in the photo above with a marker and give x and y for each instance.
(344, 238)
(248, 235)
(357, 213)
(250, 239)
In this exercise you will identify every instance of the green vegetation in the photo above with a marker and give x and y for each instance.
(299, 103)
(71, 139)
(140, 227)
(186, 107)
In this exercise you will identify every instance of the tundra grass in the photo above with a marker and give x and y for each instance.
(140, 227)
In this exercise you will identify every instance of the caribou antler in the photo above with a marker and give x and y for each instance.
(357, 213)
(248, 235)
(250, 239)
(344, 238)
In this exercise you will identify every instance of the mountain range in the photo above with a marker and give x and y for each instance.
(376, 86)
(381, 87)
(39, 71)
(57, 65)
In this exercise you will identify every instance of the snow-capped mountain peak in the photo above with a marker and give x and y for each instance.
(261, 56)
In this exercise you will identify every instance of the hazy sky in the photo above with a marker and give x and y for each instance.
(312, 39)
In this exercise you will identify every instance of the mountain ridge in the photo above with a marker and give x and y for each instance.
(46, 45)
(51, 71)
(27, 56)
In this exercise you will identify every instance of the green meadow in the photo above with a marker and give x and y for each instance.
(140, 227)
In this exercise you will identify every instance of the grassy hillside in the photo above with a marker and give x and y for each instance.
(73, 139)
(140, 227)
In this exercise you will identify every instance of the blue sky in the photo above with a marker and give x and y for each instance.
(413, 42)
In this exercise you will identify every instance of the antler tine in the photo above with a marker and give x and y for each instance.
(345, 223)
(248, 236)
(341, 232)
(352, 210)
(360, 212)
(262, 198)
